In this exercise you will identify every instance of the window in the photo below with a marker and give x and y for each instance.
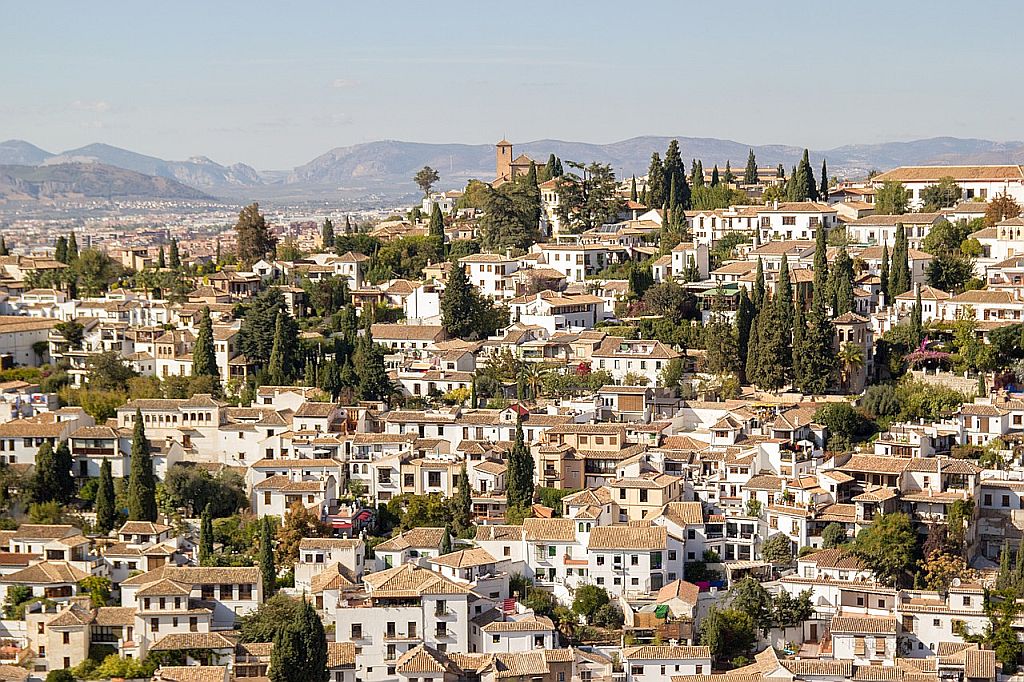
(193, 624)
(154, 625)
(634, 560)
(788, 220)
(357, 631)
(245, 591)
(495, 639)
(636, 670)
(227, 591)
(434, 479)
(552, 551)
(66, 637)
(600, 560)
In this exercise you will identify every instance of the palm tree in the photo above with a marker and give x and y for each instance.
(851, 357)
(533, 374)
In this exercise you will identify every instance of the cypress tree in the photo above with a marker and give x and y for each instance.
(216, 256)
(63, 480)
(446, 541)
(714, 176)
(374, 382)
(820, 264)
(519, 489)
(106, 514)
(458, 305)
(728, 178)
(462, 502)
(549, 168)
(744, 320)
(348, 226)
(72, 255)
(3, 246)
(799, 341)
(141, 483)
(173, 257)
(675, 170)
(773, 348)
(823, 187)
(1004, 579)
(757, 297)
(43, 485)
(327, 234)
(698, 174)
(206, 537)
(752, 373)
(810, 188)
(558, 168)
(842, 284)
(817, 358)
(278, 366)
(883, 273)
(632, 190)
(300, 650)
(161, 259)
(204, 356)
(780, 172)
(750, 172)
(784, 295)
(916, 323)
(60, 250)
(268, 571)
(899, 270)
(656, 182)
(1018, 573)
(436, 227)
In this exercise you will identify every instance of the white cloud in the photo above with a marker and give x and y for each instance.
(97, 106)
(343, 83)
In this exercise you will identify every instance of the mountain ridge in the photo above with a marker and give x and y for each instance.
(386, 167)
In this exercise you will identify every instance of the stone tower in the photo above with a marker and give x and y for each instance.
(503, 160)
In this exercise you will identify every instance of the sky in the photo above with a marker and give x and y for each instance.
(275, 84)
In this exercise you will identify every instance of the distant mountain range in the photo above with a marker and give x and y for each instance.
(67, 181)
(385, 168)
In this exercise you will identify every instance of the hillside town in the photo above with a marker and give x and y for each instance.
(737, 424)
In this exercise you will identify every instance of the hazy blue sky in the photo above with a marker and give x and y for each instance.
(274, 84)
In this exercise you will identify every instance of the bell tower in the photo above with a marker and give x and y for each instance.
(503, 160)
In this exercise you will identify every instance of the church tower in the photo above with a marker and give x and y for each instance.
(503, 160)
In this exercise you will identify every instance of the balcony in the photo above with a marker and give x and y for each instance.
(401, 637)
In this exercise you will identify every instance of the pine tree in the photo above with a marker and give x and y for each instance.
(656, 182)
(72, 252)
(204, 355)
(750, 172)
(268, 571)
(252, 236)
(714, 176)
(757, 296)
(206, 537)
(632, 190)
(899, 270)
(173, 257)
(744, 320)
(161, 259)
(106, 514)
(883, 273)
(327, 234)
(436, 227)
(823, 187)
(141, 483)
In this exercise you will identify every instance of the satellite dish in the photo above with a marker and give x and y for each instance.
(955, 582)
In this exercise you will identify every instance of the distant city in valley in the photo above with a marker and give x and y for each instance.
(663, 409)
